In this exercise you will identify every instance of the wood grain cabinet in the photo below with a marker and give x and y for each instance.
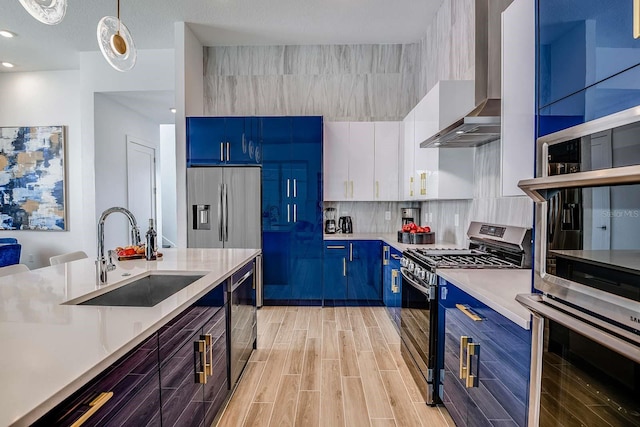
(176, 377)
(486, 362)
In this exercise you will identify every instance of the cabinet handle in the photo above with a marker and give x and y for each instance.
(377, 189)
(346, 194)
(396, 257)
(228, 155)
(385, 255)
(344, 267)
(95, 405)
(636, 19)
(350, 251)
(473, 349)
(423, 184)
(394, 281)
(288, 212)
(288, 187)
(411, 186)
(208, 367)
(295, 188)
(200, 349)
(464, 341)
(222, 151)
(295, 212)
(468, 312)
(352, 189)
(335, 247)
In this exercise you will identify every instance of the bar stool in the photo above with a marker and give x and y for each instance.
(71, 256)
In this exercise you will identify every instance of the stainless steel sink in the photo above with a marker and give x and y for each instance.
(144, 292)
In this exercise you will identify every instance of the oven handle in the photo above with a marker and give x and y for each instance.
(534, 304)
(405, 277)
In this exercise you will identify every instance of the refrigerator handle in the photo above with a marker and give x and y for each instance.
(220, 212)
(226, 214)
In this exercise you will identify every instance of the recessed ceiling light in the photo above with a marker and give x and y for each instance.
(7, 34)
(173, 110)
(7, 64)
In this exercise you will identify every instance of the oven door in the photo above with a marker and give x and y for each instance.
(584, 371)
(418, 332)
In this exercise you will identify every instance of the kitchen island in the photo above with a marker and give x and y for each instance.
(51, 349)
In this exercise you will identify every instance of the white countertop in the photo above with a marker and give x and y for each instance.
(497, 288)
(390, 239)
(50, 350)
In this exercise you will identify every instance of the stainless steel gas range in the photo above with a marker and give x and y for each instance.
(491, 246)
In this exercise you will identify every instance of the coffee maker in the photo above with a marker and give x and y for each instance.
(345, 225)
(330, 220)
(410, 215)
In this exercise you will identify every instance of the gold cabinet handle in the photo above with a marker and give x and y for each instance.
(636, 19)
(208, 340)
(423, 184)
(385, 255)
(473, 349)
(464, 341)
(95, 405)
(468, 312)
(344, 267)
(394, 281)
(411, 186)
(200, 347)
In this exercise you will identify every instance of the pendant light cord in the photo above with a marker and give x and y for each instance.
(118, 16)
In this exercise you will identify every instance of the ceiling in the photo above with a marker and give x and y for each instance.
(40, 47)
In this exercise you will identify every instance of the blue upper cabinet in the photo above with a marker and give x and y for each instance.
(223, 140)
(582, 42)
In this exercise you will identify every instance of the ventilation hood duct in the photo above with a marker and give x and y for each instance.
(482, 124)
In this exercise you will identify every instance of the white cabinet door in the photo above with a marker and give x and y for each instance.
(361, 150)
(407, 178)
(518, 97)
(387, 136)
(336, 161)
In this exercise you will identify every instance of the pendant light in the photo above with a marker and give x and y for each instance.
(116, 43)
(48, 12)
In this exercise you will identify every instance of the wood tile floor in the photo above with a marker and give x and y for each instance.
(328, 367)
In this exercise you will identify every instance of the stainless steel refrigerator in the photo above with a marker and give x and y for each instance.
(224, 206)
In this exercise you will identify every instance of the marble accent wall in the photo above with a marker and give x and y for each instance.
(339, 82)
(369, 217)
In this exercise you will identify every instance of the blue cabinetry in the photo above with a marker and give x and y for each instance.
(485, 359)
(586, 54)
(353, 272)
(391, 282)
(215, 141)
(292, 208)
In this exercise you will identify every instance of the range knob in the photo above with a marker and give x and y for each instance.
(404, 262)
(420, 273)
(411, 266)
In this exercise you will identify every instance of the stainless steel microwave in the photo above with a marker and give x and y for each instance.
(587, 198)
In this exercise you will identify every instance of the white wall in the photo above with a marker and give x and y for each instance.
(189, 87)
(167, 186)
(50, 98)
(113, 123)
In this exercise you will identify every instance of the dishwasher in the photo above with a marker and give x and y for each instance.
(242, 320)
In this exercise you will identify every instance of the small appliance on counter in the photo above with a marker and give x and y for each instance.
(330, 220)
(345, 225)
(410, 215)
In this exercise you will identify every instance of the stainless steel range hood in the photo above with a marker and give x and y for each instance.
(482, 124)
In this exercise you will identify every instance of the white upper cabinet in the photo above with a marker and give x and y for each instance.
(407, 172)
(518, 96)
(361, 151)
(387, 136)
(335, 160)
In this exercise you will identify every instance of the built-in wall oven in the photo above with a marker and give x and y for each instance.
(586, 318)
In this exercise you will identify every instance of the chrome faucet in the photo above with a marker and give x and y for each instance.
(102, 266)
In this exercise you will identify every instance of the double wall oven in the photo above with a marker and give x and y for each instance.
(586, 318)
(491, 246)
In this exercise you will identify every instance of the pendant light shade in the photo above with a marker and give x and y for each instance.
(116, 43)
(48, 12)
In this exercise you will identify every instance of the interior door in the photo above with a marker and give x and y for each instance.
(204, 207)
(141, 182)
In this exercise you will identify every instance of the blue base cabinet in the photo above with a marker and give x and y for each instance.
(156, 383)
(486, 362)
(392, 282)
(352, 272)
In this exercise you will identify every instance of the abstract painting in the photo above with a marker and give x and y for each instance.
(32, 178)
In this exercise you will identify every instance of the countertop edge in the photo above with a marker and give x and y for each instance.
(76, 384)
(524, 323)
